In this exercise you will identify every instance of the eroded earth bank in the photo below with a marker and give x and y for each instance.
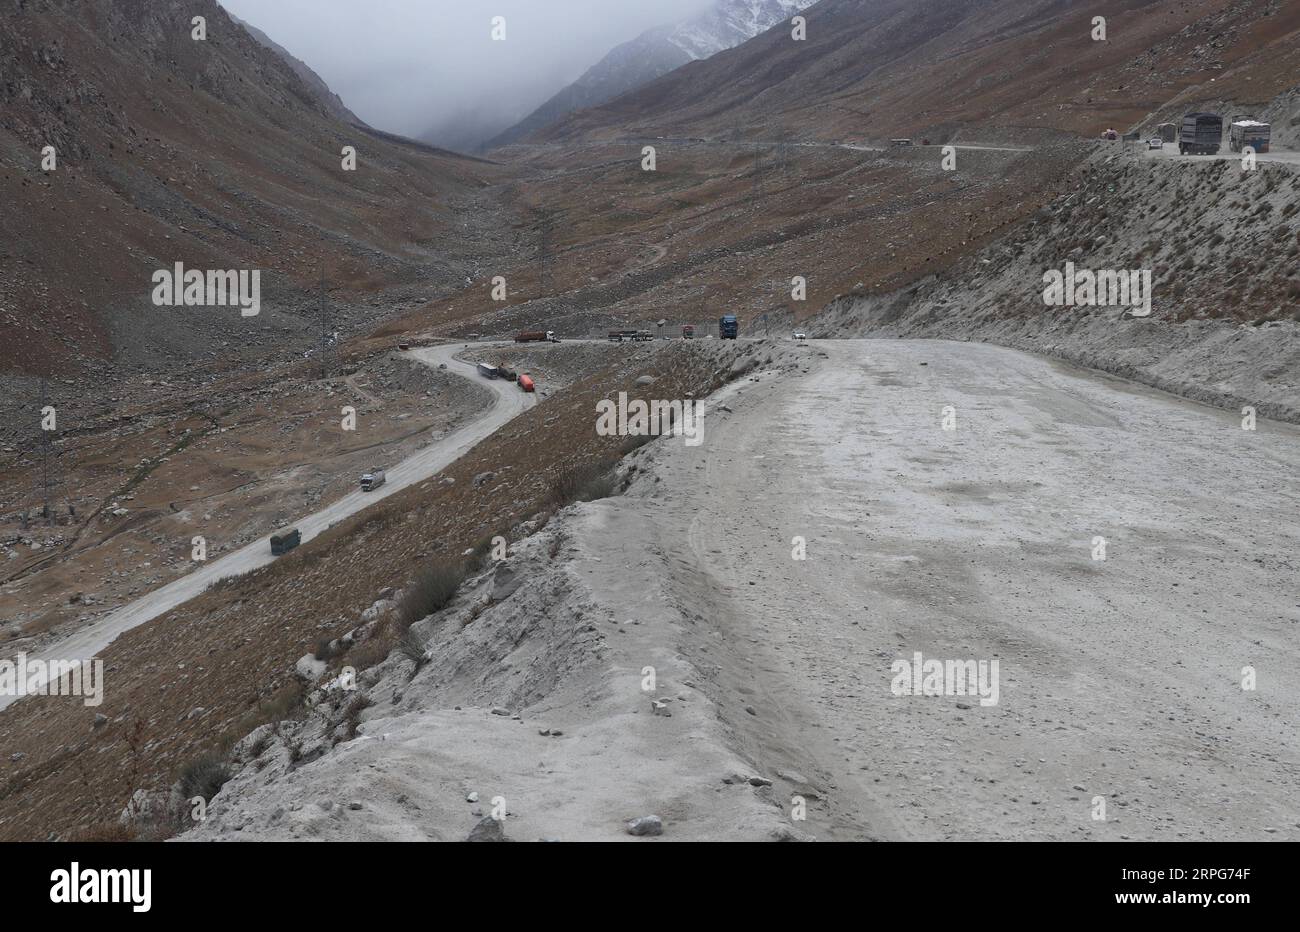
(1120, 678)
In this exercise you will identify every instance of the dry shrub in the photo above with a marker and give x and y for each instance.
(105, 832)
(432, 591)
(352, 714)
(412, 647)
(204, 776)
(583, 484)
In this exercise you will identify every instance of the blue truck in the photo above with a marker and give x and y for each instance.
(728, 327)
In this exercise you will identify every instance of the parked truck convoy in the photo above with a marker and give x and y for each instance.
(728, 327)
(1201, 134)
(489, 371)
(1249, 133)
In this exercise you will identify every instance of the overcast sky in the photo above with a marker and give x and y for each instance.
(406, 65)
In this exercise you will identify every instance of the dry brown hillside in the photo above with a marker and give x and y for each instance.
(968, 69)
(203, 675)
(212, 153)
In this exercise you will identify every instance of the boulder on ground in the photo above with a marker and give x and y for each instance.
(309, 668)
(646, 825)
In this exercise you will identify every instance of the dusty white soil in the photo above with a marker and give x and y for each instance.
(1119, 678)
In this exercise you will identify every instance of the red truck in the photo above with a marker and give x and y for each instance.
(537, 336)
(526, 383)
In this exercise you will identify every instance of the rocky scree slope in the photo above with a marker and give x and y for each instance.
(540, 656)
(1223, 247)
(207, 673)
(973, 70)
(211, 153)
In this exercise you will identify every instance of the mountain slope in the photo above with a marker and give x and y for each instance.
(332, 101)
(210, 153)
(656, 52)
(880, 68)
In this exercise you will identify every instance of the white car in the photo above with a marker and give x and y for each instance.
(800, 335)
(1155, 143)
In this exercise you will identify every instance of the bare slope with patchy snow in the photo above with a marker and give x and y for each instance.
(656, 52)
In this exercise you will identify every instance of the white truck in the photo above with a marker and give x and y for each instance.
(1249, 133)
(373, 480)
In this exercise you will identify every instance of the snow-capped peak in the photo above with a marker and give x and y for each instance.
(728, 23)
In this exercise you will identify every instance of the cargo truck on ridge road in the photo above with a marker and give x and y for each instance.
(1201, 134)
(1250, 133)
(285, 541)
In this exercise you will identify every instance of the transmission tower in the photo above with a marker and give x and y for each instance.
(783, 154)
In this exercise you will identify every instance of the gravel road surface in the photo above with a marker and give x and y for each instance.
(509, 401)
(1120, 678)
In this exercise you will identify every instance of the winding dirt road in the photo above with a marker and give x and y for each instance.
(508, 402)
